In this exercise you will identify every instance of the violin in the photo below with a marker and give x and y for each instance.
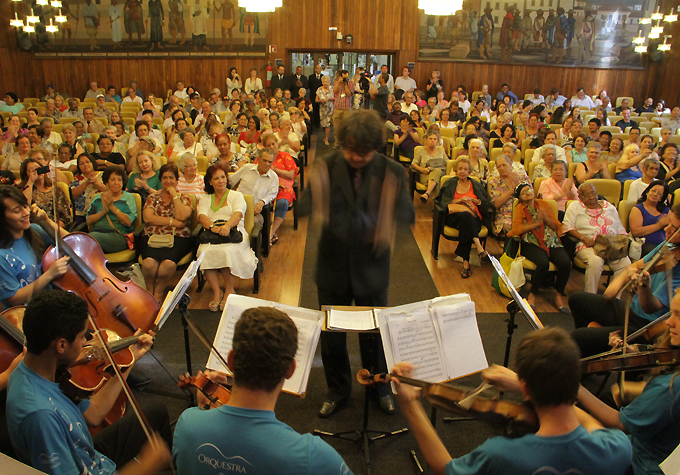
(217, 394)
(638, 361)
(448, 397)
(122, 307)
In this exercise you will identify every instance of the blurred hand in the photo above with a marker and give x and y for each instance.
(501, 378)
(406, 394)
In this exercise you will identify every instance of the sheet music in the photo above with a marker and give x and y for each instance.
(671, 466)
(351, 320)
(523, 305)
(449, 300)
(306, 332)
(9, 465)
(414, 339)
(461, 343)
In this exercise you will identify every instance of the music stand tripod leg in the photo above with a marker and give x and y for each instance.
(182, 306)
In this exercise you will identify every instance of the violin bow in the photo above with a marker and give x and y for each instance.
(204, 339)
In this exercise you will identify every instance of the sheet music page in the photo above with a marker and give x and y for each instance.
(172, 299)
(414, 340)
(449, 300)
(306, 332)
(351, 320)
(522, 303)
(671, 466)
(9, 465)
(460, 340)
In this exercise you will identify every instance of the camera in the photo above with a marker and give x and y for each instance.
(43, 170)
(345, 79)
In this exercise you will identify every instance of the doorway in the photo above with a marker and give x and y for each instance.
(332, 62)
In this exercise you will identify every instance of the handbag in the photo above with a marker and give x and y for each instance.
(507, 262)
(635, 248)
(159, 241)
(208, 237)
(611, 247)
(129, 238)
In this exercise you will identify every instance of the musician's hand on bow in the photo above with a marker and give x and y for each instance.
(501, 378)
(640, 280)
(406, 394)
(154, 457)
(38, 213)
(615, 339)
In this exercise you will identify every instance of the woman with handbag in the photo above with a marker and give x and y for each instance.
(221, 212)
(166, 238)
(112, 213)
(430, 160)
(535, 222)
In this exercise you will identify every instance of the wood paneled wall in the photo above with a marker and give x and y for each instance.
(375, 25)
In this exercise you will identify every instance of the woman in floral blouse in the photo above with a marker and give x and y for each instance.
(86, 184)
(165, 213)
(501, 188)
(38, 188)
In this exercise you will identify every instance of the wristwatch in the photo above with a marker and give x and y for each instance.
(211, 226)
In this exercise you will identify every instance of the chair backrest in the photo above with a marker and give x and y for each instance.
(449, 166)
(249, 218)
(612, 169)
(648, 126)
(555, 127)
(674, 139)
(625, 207)
(201, 163)
(103, 120)
(631, 101)
(626, 188)
(656, 132)
(648, 115)
(2, 160)
(612, 129)
(444, 132)
(447, 145)
(610, 189)
(572, 169)
(68, 175)
(421, 133)
(530, 169)
(67, 120)
(621, 136)
(525, 146)
(529, 155)
(475, 95)
(537, 184)
(643, 130)
(138, 221)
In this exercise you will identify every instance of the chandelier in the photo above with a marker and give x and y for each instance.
(656, 29)
(260, 6)
(440, 7)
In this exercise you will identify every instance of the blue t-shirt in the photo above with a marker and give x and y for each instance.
(653, 422)
(659, 290)
(47, 430)
(19, 266)
(605, 451)
(238, 440)
(15, 109)
(125, 204)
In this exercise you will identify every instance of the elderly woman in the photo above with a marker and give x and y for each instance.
(134, 146)
(430, 160)
(167, 213)
(189, 180)
(650, 169)
(549, 140)
(288, 140)
(226, 156)
(665, 134)
(38, 188)
(558, 187)
(285, 167)
(585, 220)
(615, 151)
(172, 133)
(501, 189)
(479, 165)
(649, 217)
(325, 97)
(446, 123)
(627, 166)
(220, 210)
(144, 178)
(536, 224)
(543, 169)
(467, 205)
(297, 122)
(593, 167)
(669, 162)
(188, 144)
(13, 162)
(112, 213)
(85, 186)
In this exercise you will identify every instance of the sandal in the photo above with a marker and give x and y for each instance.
(483, 255)
(423, 197)
(274, 239)
(465, 273)
(215, 306)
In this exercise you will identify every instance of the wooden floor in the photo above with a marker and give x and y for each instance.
(281, 279)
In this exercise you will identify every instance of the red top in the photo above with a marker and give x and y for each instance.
(470, 194)
(244, 137)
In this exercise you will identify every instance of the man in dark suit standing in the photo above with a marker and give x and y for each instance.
(314, 84)
(279, 80)
(360, 195)
(297, 81)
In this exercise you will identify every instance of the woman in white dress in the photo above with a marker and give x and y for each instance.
(116, 20)
(232, 259)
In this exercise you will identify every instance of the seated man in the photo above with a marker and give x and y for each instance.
(624, 104)
(582, 100)
(568, 439)
(258, 180)
(73, 110)
(585, 220)
(648, 106)
(49, 431)
(101, 110)
(394, 117)
(245, 434)
(650, 302)
(92, 91)
(505, 91)
(408, 105)
(92, 125)
(672, 122)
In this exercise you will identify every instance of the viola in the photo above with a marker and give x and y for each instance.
(448, 397)
(638, 361)
(217, 394)
(11, 336)
(122, 307)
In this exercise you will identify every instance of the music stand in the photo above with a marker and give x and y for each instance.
(361, 436)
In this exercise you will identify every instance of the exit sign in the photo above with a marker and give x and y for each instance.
(272, 48)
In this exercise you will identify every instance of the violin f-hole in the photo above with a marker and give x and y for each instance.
(119, 313)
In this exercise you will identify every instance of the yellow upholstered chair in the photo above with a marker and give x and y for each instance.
(609, 189)
(612, 129)
(626, 188)
(526, 263)
(625, 207)
(631, 101)
(572, 169)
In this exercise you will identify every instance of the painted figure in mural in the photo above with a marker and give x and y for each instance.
(622, 26)
(485, 35)
(157, 19)
(116, 22)
(176, 20)
(133, 19)
(250, 25)
(587, 38)
(473, 27)
(431, 31)
(550, 27)
(561, 29)
(516, 29)
(91, 16)
(505, 41)
(200, 12)
(539, 30)
(67, 27)
(526, 29)
(571, 27)
(228, 21)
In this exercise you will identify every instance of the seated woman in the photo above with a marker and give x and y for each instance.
(36, 135)
(593, 167)
(189, 180)
(468, 206)
(532, 128)
(649, 217)
(297, 122)
(536, 224)
(558, 187)
(15, 159)
(188, 144)
(86, 184)
(615, 151)
(550, 139)
(226, 156)
(165, 213)
(106, 156)
(144, 178)
(417, 120)
(497, 132)
(430, 160)
(507, 136)
(665, 133)
(251, 134)
(112, 213)
(38, 188)
(669, 162)
(585, 220)
(650, 170)
(172, 135)
(134, 145)
(69, 133)
(10, 134)
(288, 141)
(22, 245)
(285, 167)
(479, 165)
(627, 166)
(647, 147)
(543, 169)
(228, 208)
(578, 153)
(565, 131)
(502, 186)
(445, 123)
(406, 137)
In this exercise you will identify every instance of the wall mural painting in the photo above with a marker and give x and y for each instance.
(148, 28)
(568, 33)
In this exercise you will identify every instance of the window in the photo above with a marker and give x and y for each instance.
(495, 20)
(542, 2)
(550, 3)
(533, 3)
(498, 6)
(505, 7)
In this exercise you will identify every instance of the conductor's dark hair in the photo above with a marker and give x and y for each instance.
(548, 362)
(362, 131)
(50, 315)
(265, 343)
